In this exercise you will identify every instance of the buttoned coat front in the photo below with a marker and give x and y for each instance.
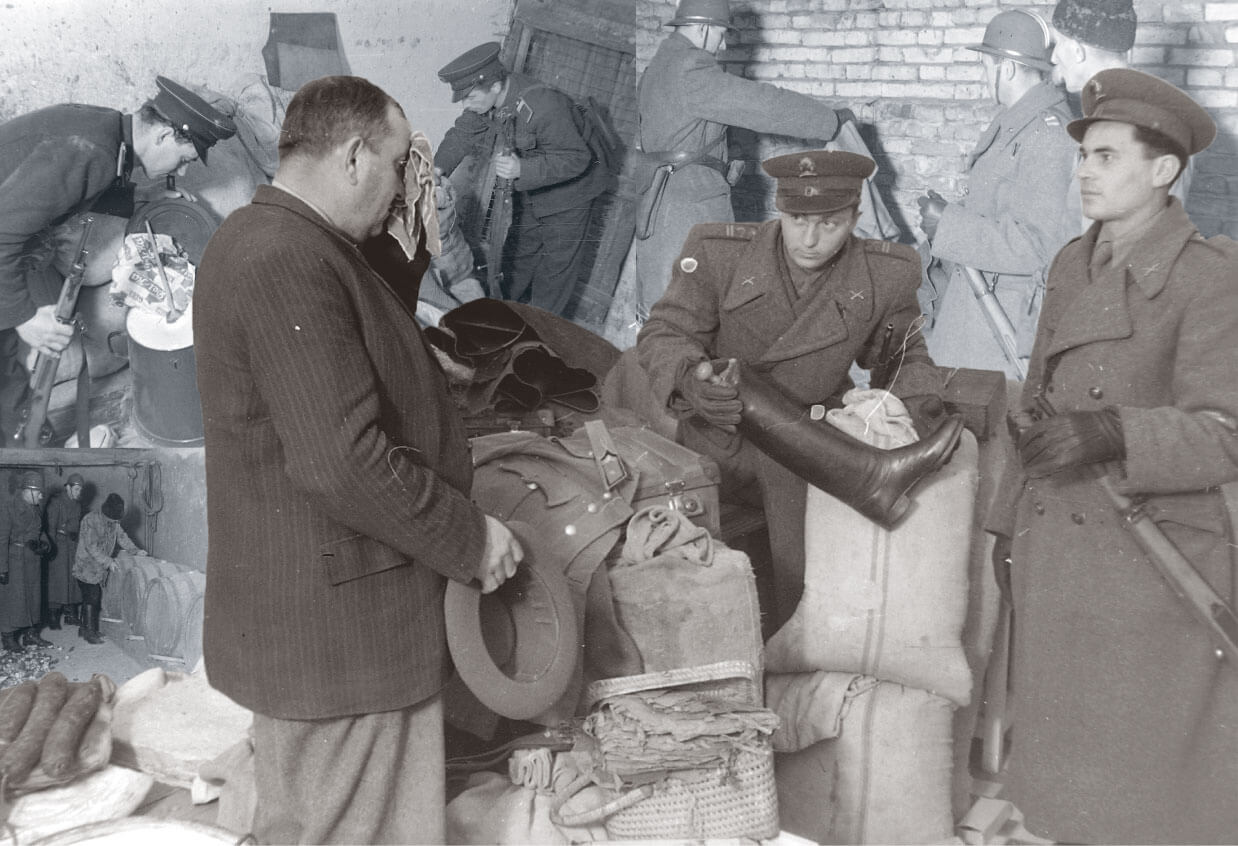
(64, 517)
(1127, 722)
(731, 296)
(686, 101)
(1009, 226)
(20, 524)
(337, 470)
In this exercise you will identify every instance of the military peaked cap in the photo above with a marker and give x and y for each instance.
(1140, 99)
(191, 115)
(465, 72)
(818, 181)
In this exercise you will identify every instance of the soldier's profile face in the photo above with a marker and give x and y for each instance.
(811, 240)
(482, 98)
(1068, 67)
(1117, 179)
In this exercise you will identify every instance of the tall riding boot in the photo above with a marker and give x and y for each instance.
(11, 642)
(71, 615)
(89, 630)
(30, 637)
(53, 616)
(873, 481)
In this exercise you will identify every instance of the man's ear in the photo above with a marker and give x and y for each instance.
(351, 153)
(163, 133)
(1165, 169)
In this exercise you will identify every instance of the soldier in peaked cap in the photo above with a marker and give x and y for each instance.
(1127, 728)
(1010, 224)
(64, 517)
(21, 532)
(553, 172)
(686, 102)
(800, 299)
(63, 160)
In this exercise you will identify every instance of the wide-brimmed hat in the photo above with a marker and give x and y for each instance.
(515, 648)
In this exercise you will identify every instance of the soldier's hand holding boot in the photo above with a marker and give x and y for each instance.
(714, 400)
(926, 413)
(1068, 440)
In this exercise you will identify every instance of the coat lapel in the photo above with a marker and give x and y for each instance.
(822, 320)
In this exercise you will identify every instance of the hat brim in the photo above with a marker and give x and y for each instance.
(516, 648)
(458, 94)
(690, 21)
(1038, 64)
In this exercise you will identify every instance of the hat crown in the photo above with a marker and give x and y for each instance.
(1125, 95)
(818, 181)
(472, 68)
(1107, 24)
(32, 479)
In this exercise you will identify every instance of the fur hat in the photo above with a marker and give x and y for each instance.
(113, 507)
(1107, 24)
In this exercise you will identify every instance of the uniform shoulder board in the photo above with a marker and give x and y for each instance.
(524, 111)
(1052, 119)
(725, 231)
(891, 249)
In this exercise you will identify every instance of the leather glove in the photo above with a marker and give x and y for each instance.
(1068, 440)
(931, 207)
(1001, 565)
(843, 116)
(4, 578)
(717, 404)
(926, 412)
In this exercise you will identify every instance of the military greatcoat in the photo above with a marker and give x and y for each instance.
(20, 524)
(558, 183)
(64, 517)
(686, 103)
(731, 296)
(1009, 227)
(1127, 722)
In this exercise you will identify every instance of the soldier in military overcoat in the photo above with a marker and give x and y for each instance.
(555, 177)
(799, 300)
(1126, 727)
(686, 101)
(1010, 224)
(25, 543)
(64, 518)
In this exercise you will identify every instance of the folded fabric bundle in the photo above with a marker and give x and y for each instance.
(638, 737)
(420, 209)
(658, 530)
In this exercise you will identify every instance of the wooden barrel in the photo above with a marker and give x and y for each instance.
(113, 590)
(191, 635)
(166, 611)
(138, 578)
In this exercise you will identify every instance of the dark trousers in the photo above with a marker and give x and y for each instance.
(546, 255)
(91, 594)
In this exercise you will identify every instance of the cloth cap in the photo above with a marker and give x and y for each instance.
(818, 181)
(192, 115)
(1020, 36)
(74, 479)
(481, 64)
(32, 479)
(714, 12)
(1140, 99)
(516, 648)
(1107, 24)
(113, 507)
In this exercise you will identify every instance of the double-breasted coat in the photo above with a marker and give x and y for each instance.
(558, 183)
(337, 470)
(1009, 226)
(20, 600)
(64, 517)
(731, 296)
(1127, 722)
(686, 101)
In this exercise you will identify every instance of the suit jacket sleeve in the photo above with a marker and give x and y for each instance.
(559, 152)
(54, 179)
(1024, 238)
(726, 98)
(311, 366)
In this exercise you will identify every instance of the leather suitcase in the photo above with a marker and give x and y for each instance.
(670, 474)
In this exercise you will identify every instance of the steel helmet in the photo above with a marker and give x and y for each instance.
(715, 12)
(1020, 36)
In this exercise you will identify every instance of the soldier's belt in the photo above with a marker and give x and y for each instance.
(680, 159)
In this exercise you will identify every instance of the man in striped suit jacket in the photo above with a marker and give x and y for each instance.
(338, 477)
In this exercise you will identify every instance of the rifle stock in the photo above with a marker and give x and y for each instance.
(45, 365)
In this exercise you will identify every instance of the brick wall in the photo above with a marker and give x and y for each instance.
(903, 67)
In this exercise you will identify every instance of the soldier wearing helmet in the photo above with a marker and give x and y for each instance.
(686, 102)
(1010, 224)
(25, 543)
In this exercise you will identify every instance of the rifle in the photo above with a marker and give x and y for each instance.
(1179, 573)
(999, 323)
(500, 211)
(29, 433)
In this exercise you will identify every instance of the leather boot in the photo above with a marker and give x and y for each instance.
(30, 637)
(71, 613)
(873, 481)
(53, 617)
(10, 642)
(89, 630)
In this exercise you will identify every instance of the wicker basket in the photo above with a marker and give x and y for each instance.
(739, 801)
